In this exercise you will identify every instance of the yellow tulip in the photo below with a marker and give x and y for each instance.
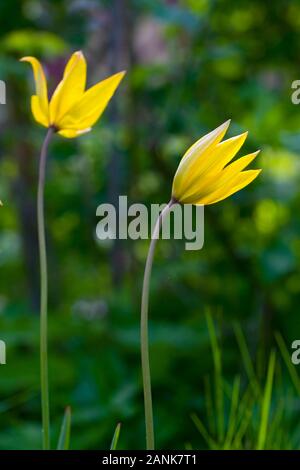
(204, 175)
(72, 110)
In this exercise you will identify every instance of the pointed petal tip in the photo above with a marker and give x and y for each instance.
(84, 131)
(72, 133)
(243, 136)
(118, 75)
(31, 60)
(221, 128)
(254, 154)
(79, 53)
(121, 73)
(225, 124)
(25, 59)
(256, 172)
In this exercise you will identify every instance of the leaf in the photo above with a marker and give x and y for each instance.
(218, 374)
(115, 438)
(247, 361)
(203, 431)
(65, 431)
(266, 403)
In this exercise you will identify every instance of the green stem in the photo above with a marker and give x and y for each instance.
(44, 292)
(144, 331)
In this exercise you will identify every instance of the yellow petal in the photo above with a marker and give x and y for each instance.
(40, 106)
(241, 180)
(213, 137)
(71, 133)
(70, 89)
(219, 180)
(194, 157)
(37, 112)
(208, 167)
(92, 104)
(228, 177)
(225, 151)
(238, 165)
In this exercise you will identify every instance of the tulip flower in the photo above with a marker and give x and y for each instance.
(71, 111)
(204, 176)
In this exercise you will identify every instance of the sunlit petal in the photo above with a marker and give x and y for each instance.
(72, 111)
(39, 104)
(92, 104)
(207, 170)
(194, 156)
(222, 179)
(37, 112)
(71, 133)
(241, 180)
(205, 176)
(70, 89)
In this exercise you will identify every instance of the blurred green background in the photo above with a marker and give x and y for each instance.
(191, 65)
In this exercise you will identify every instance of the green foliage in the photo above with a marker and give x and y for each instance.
(115, 438)
(65, 431)
(191, 64)
(252, 416)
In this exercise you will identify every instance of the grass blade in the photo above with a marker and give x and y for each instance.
(65, 431)
(287, 359)
(246, 358)
(218, 375)
(203, 431)
(115, 438)
(209, 406)
(241, 431)
(232, 421)
(266, 402)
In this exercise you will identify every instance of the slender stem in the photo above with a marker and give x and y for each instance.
(144, 331)
(44, 293)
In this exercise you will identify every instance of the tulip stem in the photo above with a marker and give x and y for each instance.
(43, 293)
(144, 330)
